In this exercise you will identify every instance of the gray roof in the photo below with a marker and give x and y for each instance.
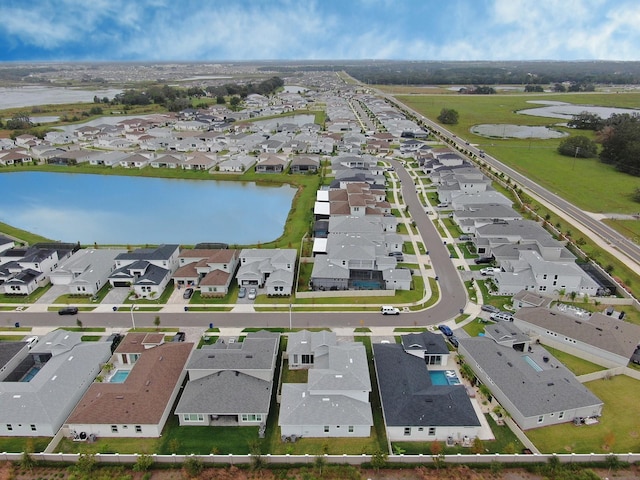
(408, 396)
(431, 342)
(52, 393)
(602, 331)
(532, 392)
(298, 407)
(256, 352)
(505, 333)
(347, 369)
(8, 350)
(306, 341)
(163, 252)
(225, 392)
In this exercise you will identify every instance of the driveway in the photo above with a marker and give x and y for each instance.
(116, 295)
(53, 293)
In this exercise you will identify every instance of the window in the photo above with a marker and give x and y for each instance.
(9, 427)
(193, 417)
(541, 419)
(407, 431)
(326, 429)
(251, 417)
(561, 415)
(350, 428)
(307, 359)
(33, 427)
(138, 428)
(432, 430)
(114, 429)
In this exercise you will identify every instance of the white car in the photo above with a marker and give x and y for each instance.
(389, 310)
(252, 294)
(31, 341)
(490, 271)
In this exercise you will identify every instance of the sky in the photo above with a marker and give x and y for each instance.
(244, 30)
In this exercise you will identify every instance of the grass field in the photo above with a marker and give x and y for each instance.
(577, 365)
(617, 431)
(585, 182)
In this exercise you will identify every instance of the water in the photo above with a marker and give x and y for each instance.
(444, 377)
(14, 97)
(515, 131)
(115, 210)
(120, 376)
(568, 110)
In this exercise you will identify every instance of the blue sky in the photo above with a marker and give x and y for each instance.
(200, 30)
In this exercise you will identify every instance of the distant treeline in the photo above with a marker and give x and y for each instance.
(477, 73)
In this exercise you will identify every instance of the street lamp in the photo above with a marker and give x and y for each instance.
(575, 155)
(290, 317)
(133, 321)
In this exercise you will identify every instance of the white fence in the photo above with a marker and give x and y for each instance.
(331, 459)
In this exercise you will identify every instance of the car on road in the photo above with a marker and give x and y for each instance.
(188, 293)
(446, 330)
(389, 310)
(253, 293)
(242, 292)
(481, 260)
(489, 308)
(490, 271)
(68, 311)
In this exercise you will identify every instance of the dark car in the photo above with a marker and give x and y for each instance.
(489, 308)
(187, 293)
(446, 330)
(482, 260)
(179, 337)
(68, 311)
(453, 340)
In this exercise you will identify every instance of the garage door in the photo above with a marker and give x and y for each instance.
(121, 284)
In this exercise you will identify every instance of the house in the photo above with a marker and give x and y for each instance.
(271, 163)
(414, 407)
(599, 338)
(427, 346)
(305, 164)
(230, 383)
(26, 270)
(87, 271)
(272, 269)
(334, 402)
(210, 269)
(136, 397)
(526, 299)
(38, 395)
(532, 386)
(305, 347)
(147, 270)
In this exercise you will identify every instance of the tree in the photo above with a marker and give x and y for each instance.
(578, 146)
(378, 459)
(19, 121)
(220, 100)
(193, 467)
(586, 121)
(448, 116)
(533, 88)
(143, 463)
(79, 323)
(156, 322)
(620, 139)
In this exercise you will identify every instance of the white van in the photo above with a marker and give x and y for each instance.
(389, 310)
(504, 316)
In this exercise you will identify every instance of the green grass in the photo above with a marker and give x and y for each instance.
(410, 329)
(499, 301)
(11, 338)
(577, 365)
(110, 445)
(90, 338)
(452, 251)
(21, 444)
(474, 328)
(84, 329)
(618, 427)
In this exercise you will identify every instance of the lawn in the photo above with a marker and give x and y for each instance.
(21, 444)
(577, 365)
(617, 431)
(475, 328)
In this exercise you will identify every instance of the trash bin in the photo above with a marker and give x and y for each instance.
(211, 325)
(17, 324)
(186, 309)
(115, 309)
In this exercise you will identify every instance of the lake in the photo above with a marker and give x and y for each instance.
(116, 210)
(12, 97)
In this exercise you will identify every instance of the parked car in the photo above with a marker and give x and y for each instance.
(68, 311)
(31, 341)
(253, 293)
(489, 308)
(464, 238)
(453, 340)
(179, 337)
(398, 255)
(242, 292)
(481, 260)
(443, 204)
(187, 293)
(501, 316)
(389, 310)
(446, 330)
(490, 271)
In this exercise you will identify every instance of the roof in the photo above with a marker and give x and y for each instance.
(134, 342)
(430, 342)
(144, 395)
(162, 252)
(532, 392)
(408, 396)
(601, 331)
(256, 352)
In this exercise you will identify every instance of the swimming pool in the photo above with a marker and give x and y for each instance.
(444, 377)
(30, 374)
(532, 363)
(120, 376)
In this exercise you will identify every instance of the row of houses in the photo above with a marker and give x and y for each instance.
(529, 257)
(146, 271)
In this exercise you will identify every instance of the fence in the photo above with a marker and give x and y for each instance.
(333, 459)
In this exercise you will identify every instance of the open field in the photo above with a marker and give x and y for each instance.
(585, 182)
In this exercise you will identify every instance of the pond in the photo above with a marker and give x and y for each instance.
(568, 110)
(13, 97)
(492, 130)
(118, 210)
